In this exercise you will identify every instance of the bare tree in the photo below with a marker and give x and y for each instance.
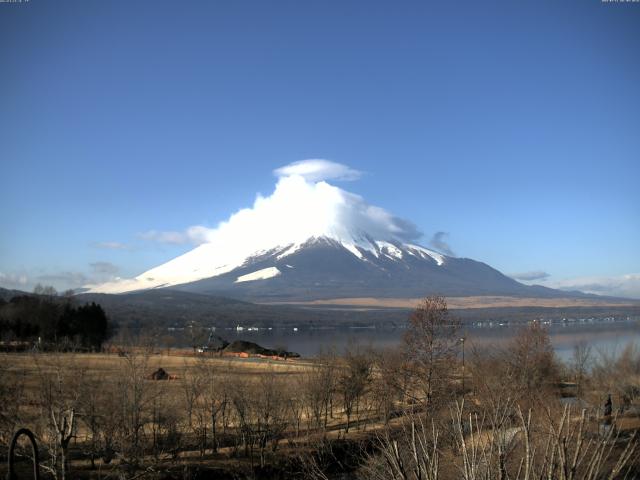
(193, 385)
(390, 381)
(580, 363)
(271, 412)
(431, 346)
(240, 398)
(319, 386)
(617, 373)
(532, 360)
(165, 426)
(353, 380)
(133, 397)
(93, 408)
(45, 291)
(295, 403)
(60, 379)
(211, 401)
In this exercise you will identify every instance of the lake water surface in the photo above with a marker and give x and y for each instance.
(608, 337)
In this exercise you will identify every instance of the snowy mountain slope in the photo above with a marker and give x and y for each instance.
(214, 260)
(327, 267)
(323, 268)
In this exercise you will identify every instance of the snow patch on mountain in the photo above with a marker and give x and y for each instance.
(417, 250)
(389, 249)
(353, 249)
(292, 249)
(259, 275)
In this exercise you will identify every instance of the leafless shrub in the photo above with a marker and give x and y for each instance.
(412, 455)
(505, 448)
(314, 463)
(12, 401)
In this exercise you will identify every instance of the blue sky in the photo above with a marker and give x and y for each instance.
(512, 126)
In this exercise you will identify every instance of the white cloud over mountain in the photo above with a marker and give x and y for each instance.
(11, 280)
(111, 245)
(195, 235)
(26, 280)
(439, 241)
(531, 276)
(317, 169)
(303, 204)
(627, 285)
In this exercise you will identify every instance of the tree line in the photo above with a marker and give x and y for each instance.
(49, 320)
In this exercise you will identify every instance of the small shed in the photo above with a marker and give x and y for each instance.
(160, 374)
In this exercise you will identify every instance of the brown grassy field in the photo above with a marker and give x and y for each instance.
(245, 383)
(471, 302)
(176, 362)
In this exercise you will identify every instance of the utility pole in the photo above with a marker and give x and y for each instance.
(462, 339)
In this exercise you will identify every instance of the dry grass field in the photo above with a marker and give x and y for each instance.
(252, 397)
(107, 367)
(472, 302)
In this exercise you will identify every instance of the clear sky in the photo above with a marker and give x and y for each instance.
(514, 127)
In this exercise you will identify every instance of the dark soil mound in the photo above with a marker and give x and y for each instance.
(248, 347)
(254, 349)
(217, 343)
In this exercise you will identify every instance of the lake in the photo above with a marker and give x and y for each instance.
(609, 337)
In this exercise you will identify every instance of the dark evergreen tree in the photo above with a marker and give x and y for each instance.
(55, 321)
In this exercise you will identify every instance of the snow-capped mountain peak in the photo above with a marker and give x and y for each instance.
(295, 214)
(312, 240)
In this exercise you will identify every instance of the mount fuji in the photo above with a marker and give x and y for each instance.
(311, 240)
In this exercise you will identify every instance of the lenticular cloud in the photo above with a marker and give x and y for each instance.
(302, 206)
(317, 169)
